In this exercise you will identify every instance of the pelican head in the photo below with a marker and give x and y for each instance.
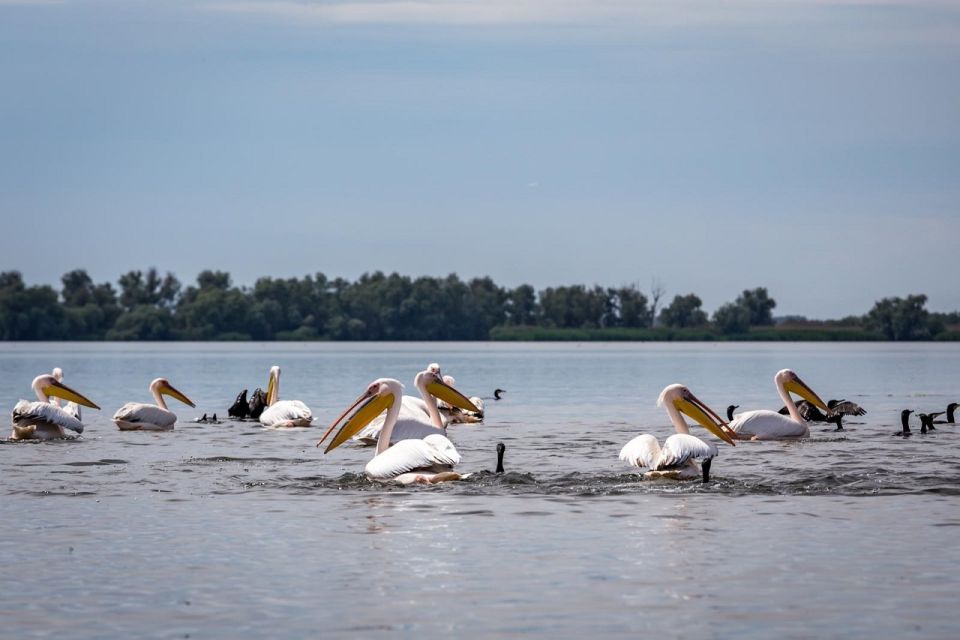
(273, 385)
(793, 384)
(58, 374)
(381, 394)
(685, 402)
(437, 386)
(163, 386)
(47, 386)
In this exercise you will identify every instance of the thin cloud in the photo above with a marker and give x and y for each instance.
(558, 12)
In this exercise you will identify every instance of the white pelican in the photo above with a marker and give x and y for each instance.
(72, 408)
(281, 414)
(428, 460)
(770, 425)
(43, 420)
(136, 416)
(420, 417)
(675, 460)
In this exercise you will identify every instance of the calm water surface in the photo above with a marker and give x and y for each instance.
(230, 529)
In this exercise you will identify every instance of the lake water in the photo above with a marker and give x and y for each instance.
(232, 530)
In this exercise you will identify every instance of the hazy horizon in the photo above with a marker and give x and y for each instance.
(811, 147)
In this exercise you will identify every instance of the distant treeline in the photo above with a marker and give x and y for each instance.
(150, 306)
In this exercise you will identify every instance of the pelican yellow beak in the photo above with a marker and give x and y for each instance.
(169, 390)
(271, 388)
(799, 387)
(375, 405)
(61, 390)
(706, 417)
(451, 396)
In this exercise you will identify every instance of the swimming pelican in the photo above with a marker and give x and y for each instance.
(675, 460)
(279, 413)
(136, 416)
(43, 420)
(72, 408)
(770, 425)
(419, 417)
(428, 460)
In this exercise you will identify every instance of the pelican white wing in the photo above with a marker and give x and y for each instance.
(678, 450)
(27, 413)
(768, 425)
(286, 413)
(642, 451)
(139, 416)
(434, 453)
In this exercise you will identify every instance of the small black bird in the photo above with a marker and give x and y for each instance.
(951, 408)
(951, 417)
(730, 409)
(498, 394)
(258, 402)
(905, 421)
(239, 409)
(500, 449)
(926, 422)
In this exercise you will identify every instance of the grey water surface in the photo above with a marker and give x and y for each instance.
(232, 530)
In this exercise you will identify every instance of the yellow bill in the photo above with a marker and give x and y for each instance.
(799, 387)
(271, 387)
(361, 418)
(451, 396)
(169, 390)
(705, 417)
(61, 390)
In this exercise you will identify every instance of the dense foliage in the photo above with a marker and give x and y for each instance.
(148, 306)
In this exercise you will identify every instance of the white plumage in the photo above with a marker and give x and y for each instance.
(770, 425)
(286, 413)
(138, 416)
(676, 459)
(763, 424)
(433, 454)
(283, 414)
(427, 460)
(41, 421)
(677, 455)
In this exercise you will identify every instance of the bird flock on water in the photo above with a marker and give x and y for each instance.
(410, 434)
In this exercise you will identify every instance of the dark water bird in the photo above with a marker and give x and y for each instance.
(905, 421)
(951, 418)
(926, 422)
(258, 402)
(204, 419)
(239, 409)
(731, 408)
(840, 408)
(498, 394)
(500, 449)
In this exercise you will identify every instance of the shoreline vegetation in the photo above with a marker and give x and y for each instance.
(147, 306)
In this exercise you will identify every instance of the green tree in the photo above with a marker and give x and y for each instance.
(629, 308)
(684, 311)
(521, 306)
(759, 304)
(29, 313)
(901, 318)
(137, 288)
(143, 322)
(732, 319)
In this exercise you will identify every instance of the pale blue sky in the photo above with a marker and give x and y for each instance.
(809, 146)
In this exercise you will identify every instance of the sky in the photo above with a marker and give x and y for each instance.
(808, 146)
